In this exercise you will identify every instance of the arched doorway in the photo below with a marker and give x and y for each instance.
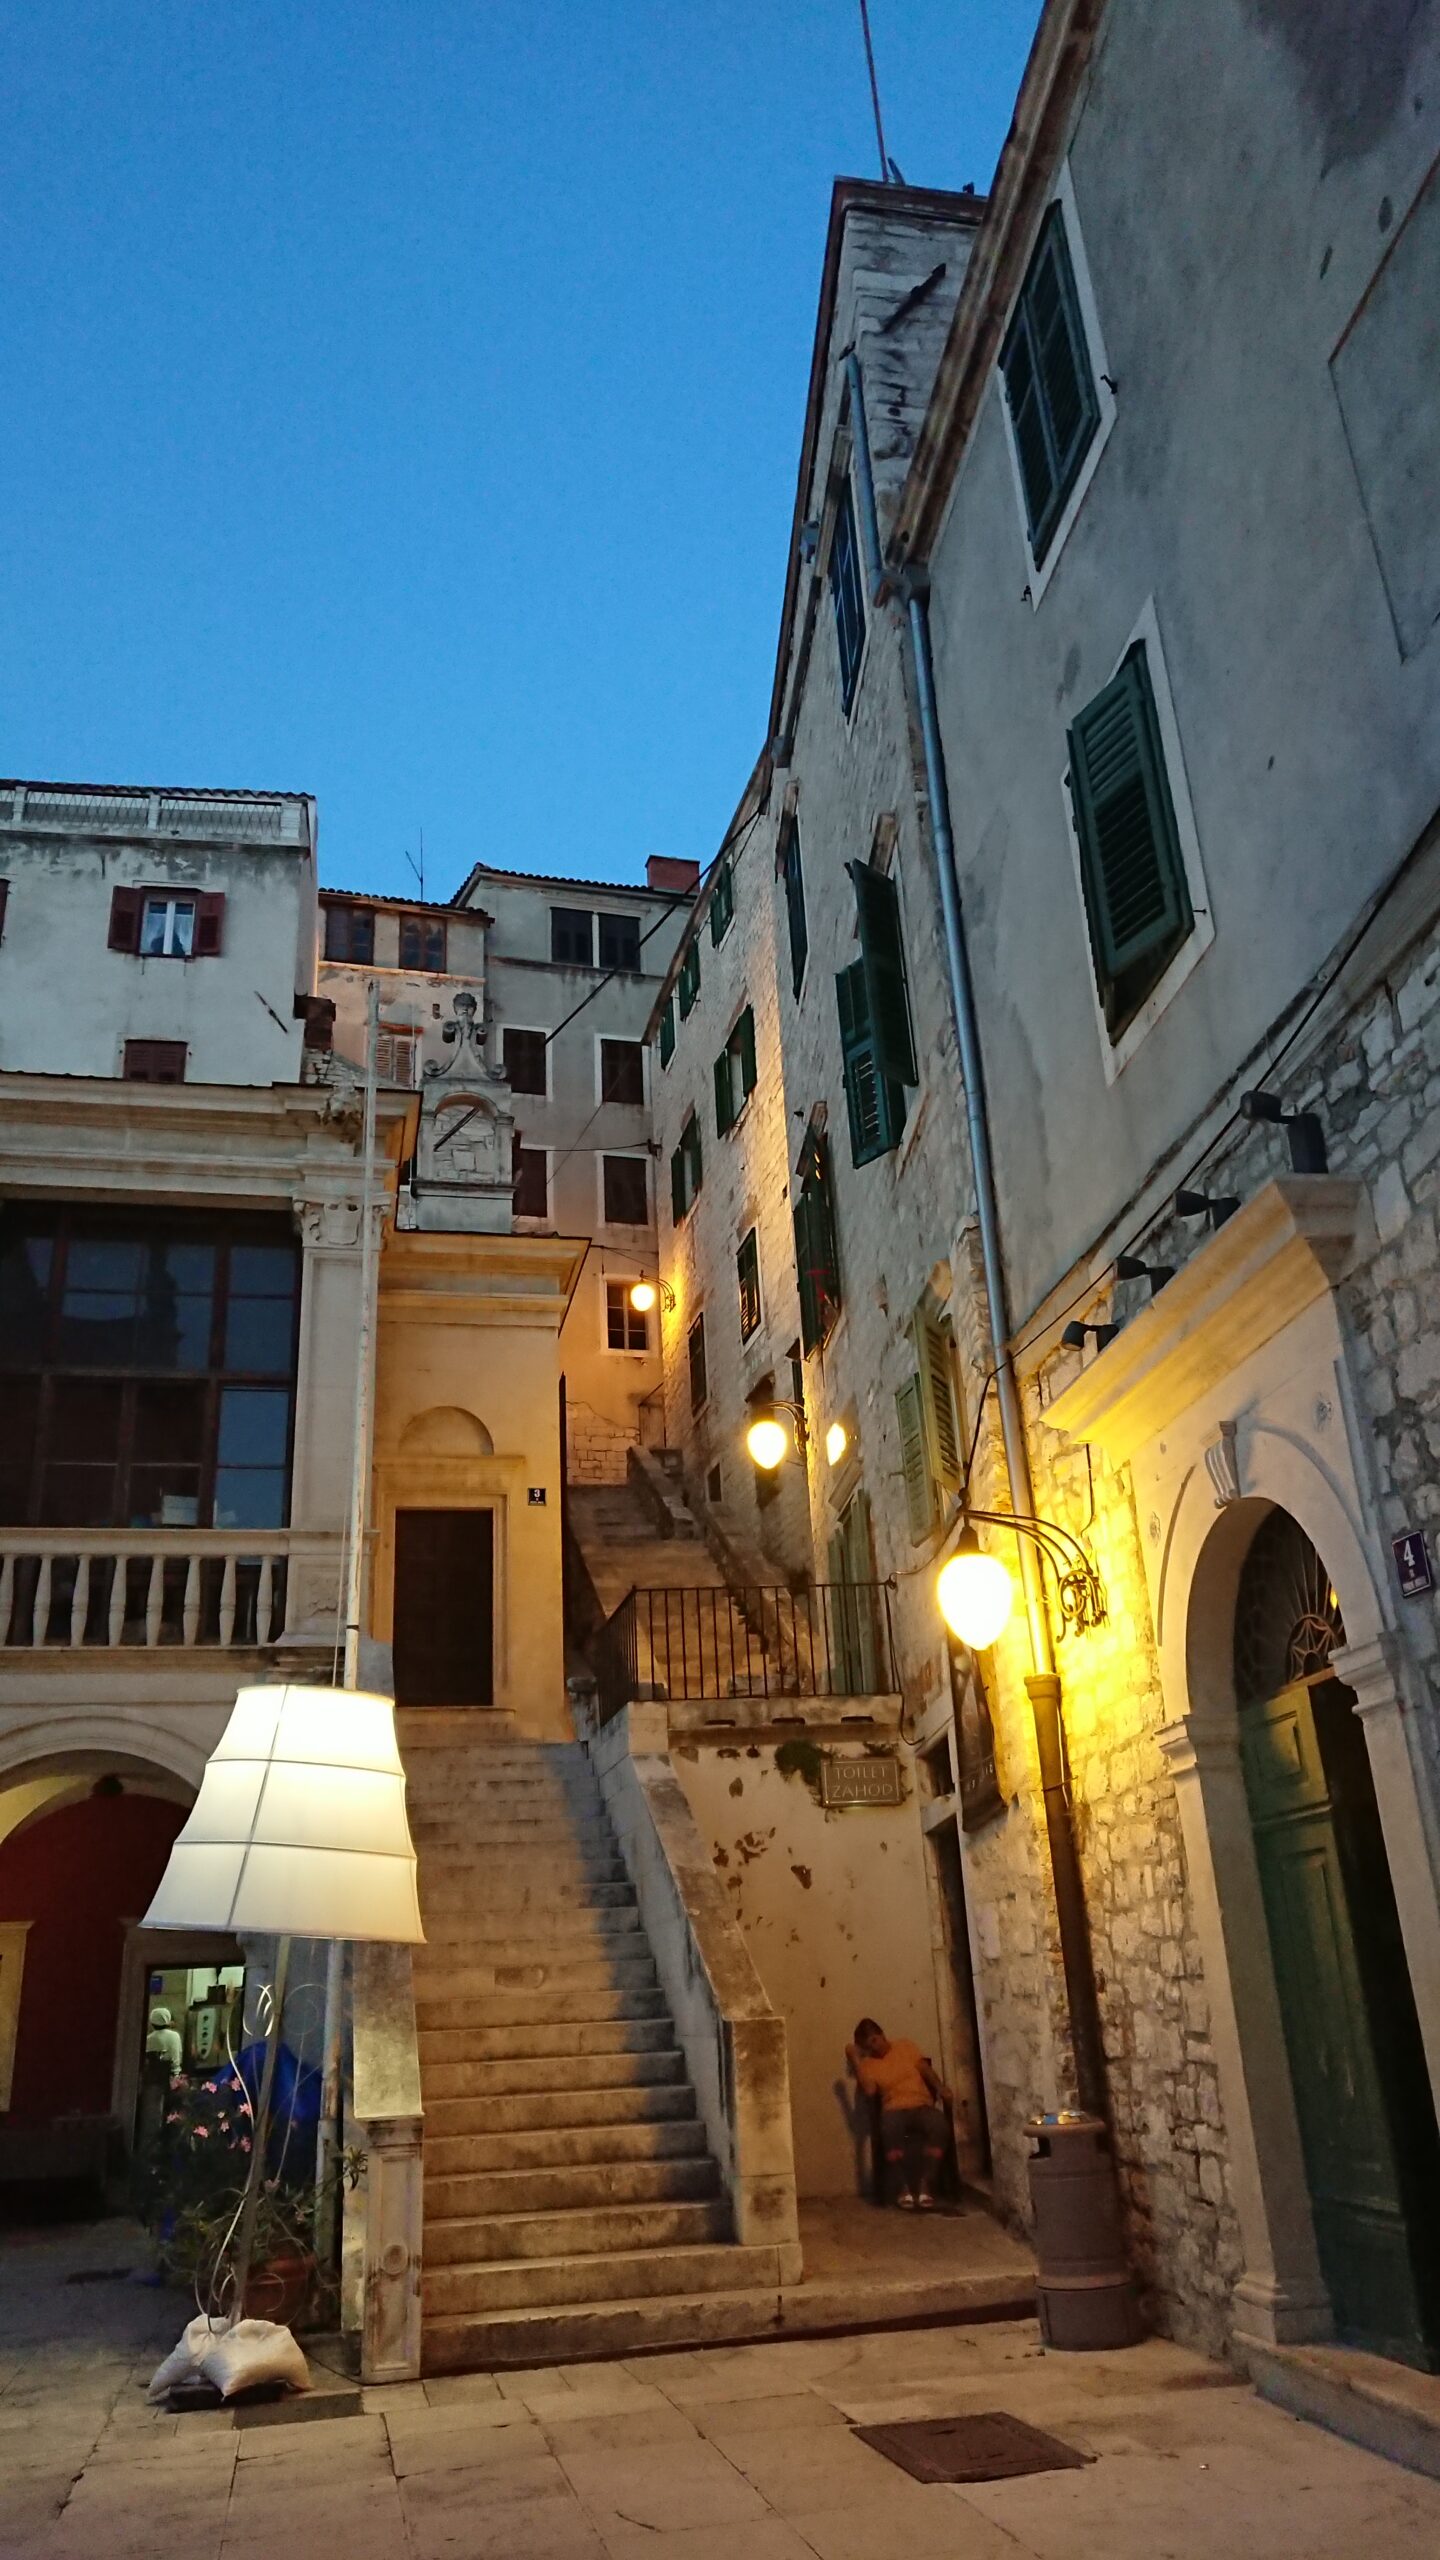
(1357, 2066)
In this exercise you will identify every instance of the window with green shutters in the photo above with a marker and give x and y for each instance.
(686, 1170)
(667, 1032)
(789, 867)
(817, 1261)
(747, 1267)
(722, 903)
(1049, 385)
(939, 1400)
(847, 594)
(1137, 904)
(688, 983)
(695, 1350)
(735, 1073)
(920, 1502)
(876, 1043)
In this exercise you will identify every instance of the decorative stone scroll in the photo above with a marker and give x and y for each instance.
(463, 1176)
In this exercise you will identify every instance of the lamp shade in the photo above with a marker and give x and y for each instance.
(975, 1595)
(767, 1442)
(299, 1829)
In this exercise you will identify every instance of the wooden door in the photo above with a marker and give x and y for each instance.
(444, 1630)
(1352, 2161)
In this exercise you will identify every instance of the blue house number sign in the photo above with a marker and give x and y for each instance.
(1412, 1564)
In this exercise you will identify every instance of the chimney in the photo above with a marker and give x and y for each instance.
(667, 871)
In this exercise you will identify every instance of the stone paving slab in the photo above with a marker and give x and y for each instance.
(732, 2453)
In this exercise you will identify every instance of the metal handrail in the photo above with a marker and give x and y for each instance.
(754, 1640)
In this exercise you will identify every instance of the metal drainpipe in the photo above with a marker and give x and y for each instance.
(1043, 1683)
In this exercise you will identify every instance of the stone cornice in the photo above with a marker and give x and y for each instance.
(1259, 1271)
(100, 1138)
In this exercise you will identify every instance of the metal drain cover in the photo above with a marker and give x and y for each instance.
(990, 2445)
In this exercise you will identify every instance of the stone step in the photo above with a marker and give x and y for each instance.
(447, 1979)
(555, 2072)
(559, 2110)
(549, 1938)
(453, 2153)
(512, 1896)
(540, 1837)
(513, 2008)
(516, 2240)
(467, 2198)
(611, 2277)
(612, 2038)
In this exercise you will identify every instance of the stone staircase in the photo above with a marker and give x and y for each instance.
(707, 1646)
(572, 2207)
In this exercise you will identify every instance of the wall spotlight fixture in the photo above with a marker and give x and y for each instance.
(1213, 1207)
(1302, 1129)
(1076, 1335)
(1128, 1266)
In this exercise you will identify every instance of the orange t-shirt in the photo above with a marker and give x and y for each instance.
(895, 2077)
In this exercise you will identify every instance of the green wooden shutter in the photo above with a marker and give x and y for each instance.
(667, 1032)
(697, 1162)
(745, 1034)
(805, 1275)
(1136, 899)
(722, 904)
(795, 904)
(1049, 385)
(882, 954)
(724, 1095)
(677, 1184)
(688, 984)
(915, 1460)
(932, 1339)
(747, 1266)
(876, 1105)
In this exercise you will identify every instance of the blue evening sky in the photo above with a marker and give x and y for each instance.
(403, 398)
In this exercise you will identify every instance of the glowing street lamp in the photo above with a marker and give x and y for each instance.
(975, 1594)
(643, 1294)
(767, 1441)
(837, 1441)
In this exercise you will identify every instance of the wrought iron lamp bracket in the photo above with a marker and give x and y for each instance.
(1082, 1593)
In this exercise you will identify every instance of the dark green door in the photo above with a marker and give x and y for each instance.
(1339, 2051)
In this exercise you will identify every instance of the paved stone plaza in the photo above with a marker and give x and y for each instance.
(737, 2453)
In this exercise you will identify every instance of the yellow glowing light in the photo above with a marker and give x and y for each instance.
(837, 1441)
(767, 1442)
(643, 1294)
(976, 1596)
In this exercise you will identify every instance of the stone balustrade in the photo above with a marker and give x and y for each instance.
(70, 1589)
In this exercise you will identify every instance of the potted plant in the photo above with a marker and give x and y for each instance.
(190, 2183)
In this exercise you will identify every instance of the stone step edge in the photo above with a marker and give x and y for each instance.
(549, 2333)
(1388, 2408)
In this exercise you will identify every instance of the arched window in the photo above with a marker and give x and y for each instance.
(1287, 1615)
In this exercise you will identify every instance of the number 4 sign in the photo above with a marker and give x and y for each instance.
(1412, 1563)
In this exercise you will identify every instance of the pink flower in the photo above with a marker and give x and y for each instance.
(202, 2133)
(209, 2087)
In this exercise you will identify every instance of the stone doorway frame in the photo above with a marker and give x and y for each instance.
(1230, 1396)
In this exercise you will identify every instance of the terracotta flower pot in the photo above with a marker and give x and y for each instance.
(280, 2290)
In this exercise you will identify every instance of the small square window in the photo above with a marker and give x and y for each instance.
(167, 928)
(572, 937)
(422, 944)
(627, 1191)
(622, 1071)
(525, 1053)
(532, 1182)
(350, 934)
(620, 942)
(627, 1328)
(154, 1062)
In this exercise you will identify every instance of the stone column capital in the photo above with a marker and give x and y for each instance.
(330, 1222)
(1202, 1741)
(1372, 1670)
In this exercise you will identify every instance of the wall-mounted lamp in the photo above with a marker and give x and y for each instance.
(976, 1594)
(1128, 1266)
(1213, 1207)
(837, 1441)
(1076, 1335)
(643, 1293)
(767, 1439)
(1302, 1129)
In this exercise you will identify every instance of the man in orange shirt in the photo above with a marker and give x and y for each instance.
(912, 2125)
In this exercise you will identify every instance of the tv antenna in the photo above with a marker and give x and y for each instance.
(889, 174)
(418, 867)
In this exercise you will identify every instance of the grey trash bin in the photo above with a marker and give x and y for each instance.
(1084, 2295)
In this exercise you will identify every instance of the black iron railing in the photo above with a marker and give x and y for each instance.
(828, 1640)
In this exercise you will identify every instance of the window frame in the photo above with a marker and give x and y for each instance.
(722, 901)
(526, 1031)
(1116, 1054)
(817, 1245)
(1042, 569)
(418, 921)
(790, 864)
(747, 1274)
(573, 915)
(735, 1068)
(620, 1102)
(349, 908)
(845, 576)
(666, 1037)
(698, 1367)
(687, 983)
(687, 1169)
(129, 1056)
(623, 1155)
(615, 919)
(536, 1217)
(615, 1292)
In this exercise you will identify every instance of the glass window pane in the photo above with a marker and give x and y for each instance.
(169, 1424)
(174, 1332)
(190, 1268)
(97, 1332)
(259, 1335)
(249, 1497)
(262, 1271)
(254, 1427)
(112, 1263)
(164, 1497)
(24, 1290)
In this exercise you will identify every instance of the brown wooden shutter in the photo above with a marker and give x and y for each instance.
(154, 1062)
(210, 925)
(125, 905)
